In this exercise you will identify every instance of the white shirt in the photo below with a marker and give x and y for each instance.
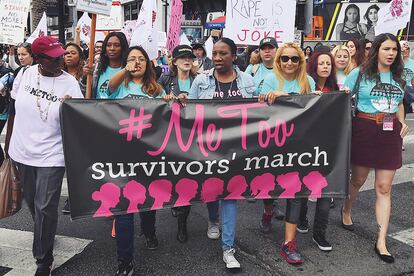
(36, 139)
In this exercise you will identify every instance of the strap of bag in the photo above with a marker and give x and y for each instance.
(355, 92)
(255, 69)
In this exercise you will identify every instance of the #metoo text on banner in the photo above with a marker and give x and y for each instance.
(248, 21)
(133, 155)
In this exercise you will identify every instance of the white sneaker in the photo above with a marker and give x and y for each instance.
(229, 259)
(213, 231)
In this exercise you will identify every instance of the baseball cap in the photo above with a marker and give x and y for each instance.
(182, 51)
(268, 41)
(47, 45)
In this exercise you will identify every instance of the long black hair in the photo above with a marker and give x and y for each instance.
(104, 60)
(352, 6)
(370, 67)
(366, 15)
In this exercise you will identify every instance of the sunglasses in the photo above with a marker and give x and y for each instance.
(294, 59)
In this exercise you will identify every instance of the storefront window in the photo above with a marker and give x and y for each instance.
(131, 10)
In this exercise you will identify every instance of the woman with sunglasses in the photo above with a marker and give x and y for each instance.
(289, 78)
(224, 82)
(377, 131)
(136, 78)
(114, 49)
(36, 142)
(343, 65)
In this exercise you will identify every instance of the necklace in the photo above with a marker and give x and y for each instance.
(219, 88)
(45, 112)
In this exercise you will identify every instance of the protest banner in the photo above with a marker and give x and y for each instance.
(394, 16)
(13, 20)
(112, 22)
(249, 21)
(41, 29)
(131, 155)
(176, 13)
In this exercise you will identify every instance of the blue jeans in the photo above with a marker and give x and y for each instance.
(228, 221)
(213, 211)
(124, 228)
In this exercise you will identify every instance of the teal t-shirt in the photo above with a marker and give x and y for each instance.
(340, 77)
(374, 97)
(408, 71)
(291, 87)
(132, 89)
(102, 91)
(259, 76)
(184, 85)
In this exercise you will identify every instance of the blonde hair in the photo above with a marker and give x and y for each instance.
(338, 48)
(301, 75)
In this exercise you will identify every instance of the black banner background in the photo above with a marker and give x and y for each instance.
(90, 130)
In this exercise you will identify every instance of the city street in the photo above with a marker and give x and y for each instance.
(85, 246)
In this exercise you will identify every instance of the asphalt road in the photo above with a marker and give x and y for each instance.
(353, 252)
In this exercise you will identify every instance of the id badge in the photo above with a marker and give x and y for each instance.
(388, 123)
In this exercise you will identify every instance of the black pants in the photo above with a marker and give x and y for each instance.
(182, 213)
(320, 223)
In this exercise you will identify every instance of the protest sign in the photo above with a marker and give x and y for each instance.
(13, 19)
(95, 6)
(173, 38)
(249, 21)
(125, 156)
(145, 33)
(41, 29)
(393, 16)
(112, 22)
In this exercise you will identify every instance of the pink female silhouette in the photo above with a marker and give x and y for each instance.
(236, 186)
(315, 182)
(108, 195)
(186, 189)
(262, 185)
(160, 190)
(136, 194)
(291, 183)
(211, 189)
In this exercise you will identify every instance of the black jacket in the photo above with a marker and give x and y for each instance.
(170, 84)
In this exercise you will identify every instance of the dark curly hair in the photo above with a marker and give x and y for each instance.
(370, 67)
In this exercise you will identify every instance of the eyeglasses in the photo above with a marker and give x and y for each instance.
(294, 59)
(139, 60)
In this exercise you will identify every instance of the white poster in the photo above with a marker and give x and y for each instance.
(84, 23)
(249, 21)
(95, 6)
(394, 16)
(112, 22)
(146, 33)
(13, 19)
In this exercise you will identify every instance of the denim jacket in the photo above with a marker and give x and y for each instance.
(204, 85)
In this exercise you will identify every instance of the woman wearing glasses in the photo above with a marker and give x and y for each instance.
(136, 78)
(377, 131)
(289, 77)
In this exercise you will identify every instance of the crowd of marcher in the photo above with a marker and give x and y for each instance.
(36, 78)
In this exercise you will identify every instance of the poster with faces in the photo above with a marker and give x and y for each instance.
(357, 20)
